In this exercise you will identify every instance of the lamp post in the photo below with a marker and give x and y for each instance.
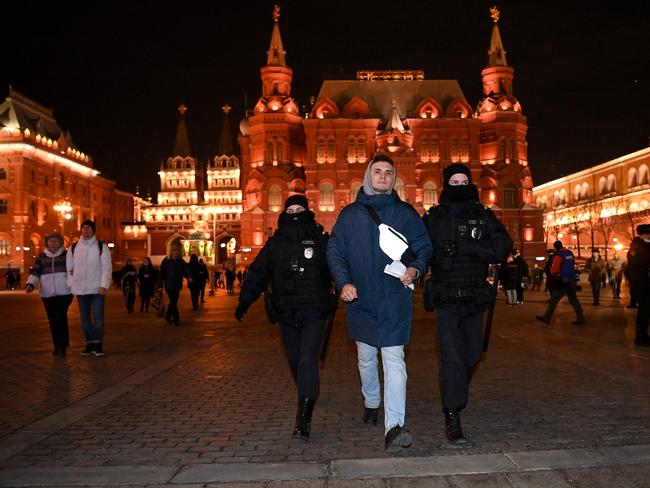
(63, 208)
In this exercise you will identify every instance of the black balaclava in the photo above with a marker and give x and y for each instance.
(460, 193)
(295, 226)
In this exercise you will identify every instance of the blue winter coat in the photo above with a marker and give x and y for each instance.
(382, 314)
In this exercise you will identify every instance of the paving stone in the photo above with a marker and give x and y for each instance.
(605, 477)
(538, 479)
(429, 482)
(498, 480)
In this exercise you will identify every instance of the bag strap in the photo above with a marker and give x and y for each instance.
(373, 214)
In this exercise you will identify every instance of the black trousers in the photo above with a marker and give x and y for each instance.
(643, 315)
(172, 308)
(568, 289)
(595, 291)
(302, 336)
(194, 295)
(57, 313)
(460, 341)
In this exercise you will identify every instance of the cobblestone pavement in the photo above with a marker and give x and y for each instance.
(214, 392)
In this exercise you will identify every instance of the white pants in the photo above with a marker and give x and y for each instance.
(394, 381)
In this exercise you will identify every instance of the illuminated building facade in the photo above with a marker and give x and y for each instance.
(424, 125)
(598, 207)
(196, 206)
(47, 184)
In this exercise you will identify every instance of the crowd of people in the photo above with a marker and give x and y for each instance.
(378, 251)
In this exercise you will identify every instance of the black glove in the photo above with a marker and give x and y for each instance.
(467, 247)
(241, 310)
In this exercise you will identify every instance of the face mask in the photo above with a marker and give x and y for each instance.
(460, 193)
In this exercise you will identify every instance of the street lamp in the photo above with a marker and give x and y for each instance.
(63, 208)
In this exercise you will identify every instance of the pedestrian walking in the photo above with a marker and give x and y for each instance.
(203, 279)
(595, 266)
(509, 277)
(466, 238)
(538, 277)
(230, 280)
(638, 265)
(172, 271)
(294, 264)
(563, 270)
(615, 268)
(147, 283)
(195, 283)
(380, 305)
(522, 275)
(129, 283)
(50, 269)
(551, 282)
(89, 276)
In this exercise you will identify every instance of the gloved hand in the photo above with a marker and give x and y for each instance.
(467, 247)
(241, 310)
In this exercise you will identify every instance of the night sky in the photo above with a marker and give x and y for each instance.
(115, 72)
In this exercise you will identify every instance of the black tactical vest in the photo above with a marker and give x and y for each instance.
(297, 282)
(453, 272)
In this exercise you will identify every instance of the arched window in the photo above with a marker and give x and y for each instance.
(602, 185)
(352, 150)
(584, 190)
(5, 247)
(631, 178)
(556, 198)
(510, 196)
(320, 150)
(3, 206)
(326, 200)
(269, 152)
(643, 175)
(361, 150)
(399, 188)
(576, 192)
(611, 184)
(275, 198)
(563, 196)
(429, 195)
(280, 153)
(331, 151)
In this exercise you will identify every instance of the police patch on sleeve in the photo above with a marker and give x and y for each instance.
(309, 252)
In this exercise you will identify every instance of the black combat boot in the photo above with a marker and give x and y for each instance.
(453, 429)
(303, 418)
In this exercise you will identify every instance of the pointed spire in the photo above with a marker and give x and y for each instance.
(395, 121)
(497, 53)
(182, 144)
(276, 53)
(225, 142)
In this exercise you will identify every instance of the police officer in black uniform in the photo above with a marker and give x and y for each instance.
(638, 267)
(293, 263)
(466, 238)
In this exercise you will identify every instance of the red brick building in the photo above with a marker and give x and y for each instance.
(424, 125)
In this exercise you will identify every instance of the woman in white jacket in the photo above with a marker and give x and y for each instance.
(50, 270)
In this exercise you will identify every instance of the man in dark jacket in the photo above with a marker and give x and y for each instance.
(466, 238)
(172, 271)
(380, 306)
(638, 268)
(293, 263)
(563, 270)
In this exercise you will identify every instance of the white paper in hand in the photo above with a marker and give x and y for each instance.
(397, 269)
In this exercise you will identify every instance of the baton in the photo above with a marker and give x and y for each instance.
(326, 337)
(490, 316)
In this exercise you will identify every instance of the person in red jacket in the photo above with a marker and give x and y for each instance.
(563, 269)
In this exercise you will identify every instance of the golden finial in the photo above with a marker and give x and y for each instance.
(276, 13)
(182, 109)
(394, 103)
(494, 13)
(226, 108)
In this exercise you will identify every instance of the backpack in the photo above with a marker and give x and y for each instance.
(99, 243)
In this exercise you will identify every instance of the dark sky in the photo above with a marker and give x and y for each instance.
(115, 72)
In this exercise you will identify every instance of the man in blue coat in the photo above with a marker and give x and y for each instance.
(380, 306)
